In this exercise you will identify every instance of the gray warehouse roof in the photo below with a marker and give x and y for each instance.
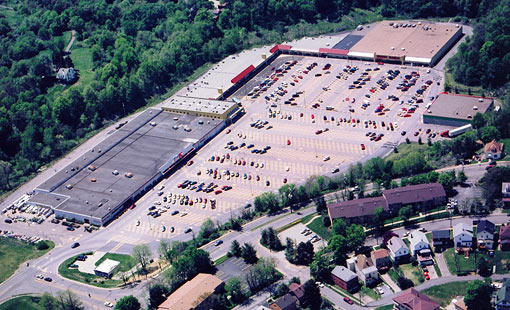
(98, 182)
(458, 106)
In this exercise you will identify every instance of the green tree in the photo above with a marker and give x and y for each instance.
(320, 268)
(142, 254)
(235, 248)
(405, 213)
(128, 303)
(461, 177)
(478, 295)
(48, 302)
(5, 175)
(320, 204)
(270, 238)
(489, 133)
(447, 180)
(235, 289)
(311, 295)
(355, 236)
(339, 227)
(290, 250)
(483, 266)
(157, 293)
(69, 301)
(281, 290)
(478, 121)
(304, 253)
(249, 254)
(379, 218)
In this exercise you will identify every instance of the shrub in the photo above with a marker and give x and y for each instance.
(42, 245)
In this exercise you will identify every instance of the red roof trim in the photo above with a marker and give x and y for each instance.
(333, 51)
(463, 95)
(280, 47)
(242, 74)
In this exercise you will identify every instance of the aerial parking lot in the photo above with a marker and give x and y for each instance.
(304, 116)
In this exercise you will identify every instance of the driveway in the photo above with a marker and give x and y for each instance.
(386, 277)
(442, 265)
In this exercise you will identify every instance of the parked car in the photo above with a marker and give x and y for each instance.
(75, 245)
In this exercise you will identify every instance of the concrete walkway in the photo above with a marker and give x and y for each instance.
(386, 277)
(441, 263)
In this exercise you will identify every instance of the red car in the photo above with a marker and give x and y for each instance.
(348, 300)
(218, 192)
(363, 147)
(288, 142)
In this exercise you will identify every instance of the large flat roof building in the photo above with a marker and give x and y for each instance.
(456, 110)
(111, 175)
(416, 42)
(201, 107)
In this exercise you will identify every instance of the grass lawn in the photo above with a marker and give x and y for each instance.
(22, 302)
(393, 275)
(220, 260)
(502, 261)
(465, 264)
(318, 227)
(74, 274)
(14, 252)
(305, 219)
(446, 292)
(82, 60)
(370, 292)
(413, 273)
(126, 261)
(404, 149)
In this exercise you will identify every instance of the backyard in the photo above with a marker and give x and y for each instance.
(413, 273)
(14, 252)
(500, 259)
(446, 292)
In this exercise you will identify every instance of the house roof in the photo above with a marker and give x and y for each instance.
(462, 228)
(363, 262)
(395, 244)
(505, 187)
(357, 207)
(297, 290)
(504, 232)
(485, 225)
(107, 266)
(414, 193)
(440, 234)
(285, 301)
(191, 292)
(381, 253)
(343, 273)
(416, 237)
(494, 147)
(415, 300)
(503, 294)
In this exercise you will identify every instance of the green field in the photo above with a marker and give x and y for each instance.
(22, 302)
(446, 292)
(387, 307)
(73, 274)
(370, 292)
(14, 252)
(413, 273)
(318, 227)
(82, 60)
(464, 264)
(405, 149)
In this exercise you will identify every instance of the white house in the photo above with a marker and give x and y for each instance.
(364, 268)
(485, 234)
(66, 74)
(418, 241)
(398, 249)
(463, 235)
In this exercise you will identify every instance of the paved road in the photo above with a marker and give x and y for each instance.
(70, 44)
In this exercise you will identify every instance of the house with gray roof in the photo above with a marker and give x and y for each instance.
(502, 298)
(485, 234)
(463, 235)
(399, 252)
(345, 278)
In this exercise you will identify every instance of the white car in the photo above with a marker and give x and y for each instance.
(184, 213)
(326, 158)
(108, 304)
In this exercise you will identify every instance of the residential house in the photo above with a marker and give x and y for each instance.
(458, 303)
(297, 291)
(505, 194)
(399, 252)
(195, 294)
(463, 236)
(421, 196)
(504, 237)
(441, 240)
(364, 268)
(381, 259)
(417, 242)
(345, 278)
(286, 302)
(485, 234)
(502, 298)
(357, 210)
(412, 299)
(66, 75)
(494, 150)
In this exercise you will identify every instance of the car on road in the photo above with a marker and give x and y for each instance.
(48, 279)
(40, 276)
(75, 245)
(8, 221)
(335, 170)
(219, 242)
(348, 300)
(108, 304)
(70, 228)
(188, 230)
(174, 212)
(163, 228)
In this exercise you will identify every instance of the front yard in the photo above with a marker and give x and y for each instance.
(500, 259)
(413, 273)
(446, 292)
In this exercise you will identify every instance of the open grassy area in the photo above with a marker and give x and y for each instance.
(14, 252)
(461, 88)
(22, 302)
(82, 60)
(318, 227)
(446, 292)
(370, 292)
(387, 307)
(305, 219)
(405, 149)
(464, 264)
(393, 275)
(74, 274)
(220, 260)
(413, 273)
